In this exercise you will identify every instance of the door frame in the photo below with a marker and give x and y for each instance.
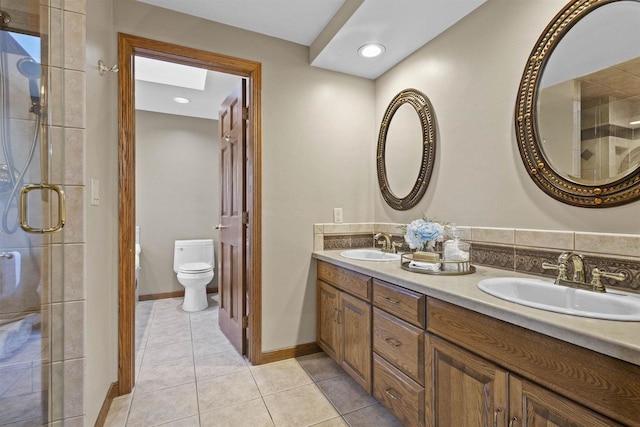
(128, 47)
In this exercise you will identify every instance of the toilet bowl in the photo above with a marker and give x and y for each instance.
(193, 263)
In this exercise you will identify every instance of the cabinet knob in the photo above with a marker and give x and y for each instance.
(512, 421)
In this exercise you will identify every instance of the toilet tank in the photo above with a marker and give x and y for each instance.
(188, 251)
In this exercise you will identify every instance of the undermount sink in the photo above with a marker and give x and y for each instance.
(369, 255)
(545, 295)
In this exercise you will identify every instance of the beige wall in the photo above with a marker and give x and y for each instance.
(318, 141)
(471, 74)
(177, 164)
(101, 161)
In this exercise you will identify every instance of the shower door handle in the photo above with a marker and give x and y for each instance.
(24, 215)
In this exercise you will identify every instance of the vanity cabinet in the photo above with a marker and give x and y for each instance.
(344, 320)
(398, 346)
(467, 390)
(433, 363)
(499, 374)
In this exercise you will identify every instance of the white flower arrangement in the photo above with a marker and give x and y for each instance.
(422, 234)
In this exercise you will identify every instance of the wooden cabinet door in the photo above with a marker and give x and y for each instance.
(355, 319)
(463, 390)
(328, 328)
(532, 406)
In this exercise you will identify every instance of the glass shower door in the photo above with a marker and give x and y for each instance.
(31, 327)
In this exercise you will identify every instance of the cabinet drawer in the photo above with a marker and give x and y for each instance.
(398, 393)
(400, 343)
(354, 283)
(407, 305)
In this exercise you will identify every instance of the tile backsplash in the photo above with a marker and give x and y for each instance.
(521, 250)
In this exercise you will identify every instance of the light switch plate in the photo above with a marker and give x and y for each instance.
(337, 215)
(95, 192)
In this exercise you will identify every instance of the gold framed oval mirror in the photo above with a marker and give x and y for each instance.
(577, 114)
(406, 151)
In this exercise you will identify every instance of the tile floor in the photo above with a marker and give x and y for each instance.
(188, 374)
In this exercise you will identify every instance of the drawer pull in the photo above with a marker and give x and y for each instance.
(392, 342)
(392, 393)
(513, 420)
(392, 301)
(495, 417)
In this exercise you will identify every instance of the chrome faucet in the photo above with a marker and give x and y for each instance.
(387, 246)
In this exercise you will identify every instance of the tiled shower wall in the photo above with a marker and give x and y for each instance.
(67, 135)
(512, 249)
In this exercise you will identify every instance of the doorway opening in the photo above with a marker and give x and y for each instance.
(245, 312)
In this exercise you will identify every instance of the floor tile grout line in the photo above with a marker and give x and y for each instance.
(195, 373)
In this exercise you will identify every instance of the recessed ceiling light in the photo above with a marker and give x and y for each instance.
(371, 50)
(635, 122)
(181, 100)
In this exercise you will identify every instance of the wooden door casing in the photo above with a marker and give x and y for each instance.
(463, 390)
(231, 256)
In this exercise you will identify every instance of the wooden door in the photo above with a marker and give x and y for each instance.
(328, 328)
(232, 129)
(464, 390)
(533, 406)
(355, 320)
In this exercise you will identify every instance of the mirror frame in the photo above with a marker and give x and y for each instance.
(619, 192)
(424, 110)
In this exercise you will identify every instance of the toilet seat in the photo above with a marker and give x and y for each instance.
(195, 268)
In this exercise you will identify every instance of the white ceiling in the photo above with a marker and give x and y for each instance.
(333, 29)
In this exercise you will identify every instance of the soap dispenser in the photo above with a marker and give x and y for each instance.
(454, 250)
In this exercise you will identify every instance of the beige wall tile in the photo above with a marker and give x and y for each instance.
(67, 385)
(336, 229)
(74, 99)
(74, 146)
(364, 227)
(464, 232)
(74, 40)
(318, 242)
(318, 228)
(74, 268)
(610, 244)
(79, 6)
(73, 388)
(550, 239)
(505, 236)
(73, 330)
(56, 95)
(73, 230)
(55, 42)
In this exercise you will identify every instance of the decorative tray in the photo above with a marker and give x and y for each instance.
(446, 268)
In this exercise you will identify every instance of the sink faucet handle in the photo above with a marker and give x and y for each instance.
(596, 274)
(395, 246)
(562, 270)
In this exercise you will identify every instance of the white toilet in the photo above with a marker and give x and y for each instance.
(193, 261)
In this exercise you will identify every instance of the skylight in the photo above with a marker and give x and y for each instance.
(169, 73)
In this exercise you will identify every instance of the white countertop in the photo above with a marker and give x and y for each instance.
(614, 338)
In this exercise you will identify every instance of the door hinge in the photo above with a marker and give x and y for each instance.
(245, 217)
(245, 322)
(245, 113)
